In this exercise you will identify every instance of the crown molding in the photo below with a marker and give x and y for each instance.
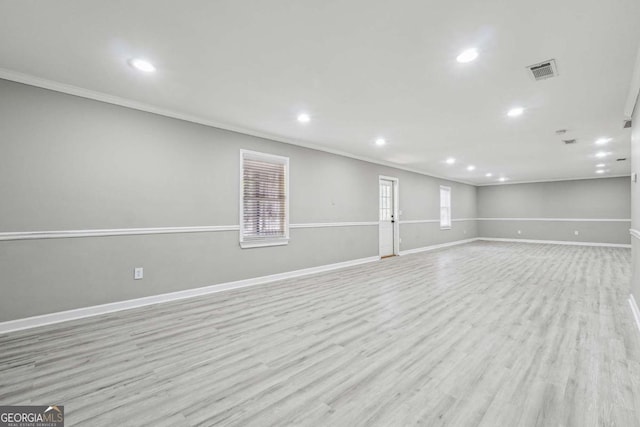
(552, 180)
(634, 89)
(135, 105)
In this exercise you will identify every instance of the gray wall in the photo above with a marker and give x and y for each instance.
(635, 202)
(605, 198)
(68, 163)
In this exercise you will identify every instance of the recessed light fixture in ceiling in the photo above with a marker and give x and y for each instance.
(467, 55)
(488, 175)
(450, 161)
(142, 65)
(515, 112)
(381, 141)
(601, 154)
(502, 179)
(600, 171)
(471, 168)
(600, 165)
(602, 141)
(304, 118)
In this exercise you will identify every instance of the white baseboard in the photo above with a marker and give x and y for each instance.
(635, 310)
(79, 313)
(555, 242)
(434, 247)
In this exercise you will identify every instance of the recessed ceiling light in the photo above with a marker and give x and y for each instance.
(601, 154)
(450, 161)
(488, 175)
(600, 165)
(380, 141)
(600, 171)
(467, 55)
(515, 112)
(142, 65)
(602, 141)
(502, 179)
(470, 168)
(304, 118)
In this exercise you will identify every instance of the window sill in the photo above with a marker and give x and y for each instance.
(262, 244)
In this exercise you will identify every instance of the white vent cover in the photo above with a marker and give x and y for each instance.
(543, 70)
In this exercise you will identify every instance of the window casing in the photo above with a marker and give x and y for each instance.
(264, 199)
(445, 207)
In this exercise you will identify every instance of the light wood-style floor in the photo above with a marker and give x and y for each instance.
(489, 334)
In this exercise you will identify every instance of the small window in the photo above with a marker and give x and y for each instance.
(264, 199)
(445, 207)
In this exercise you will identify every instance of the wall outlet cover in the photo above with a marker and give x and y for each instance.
(576, 232)
(138, 273)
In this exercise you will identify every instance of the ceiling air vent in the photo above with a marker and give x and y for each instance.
(569, 141)
(627, 124)
(543, 70)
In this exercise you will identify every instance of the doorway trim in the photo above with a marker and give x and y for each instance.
(396, 209)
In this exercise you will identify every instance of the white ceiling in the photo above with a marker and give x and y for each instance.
(361, 69)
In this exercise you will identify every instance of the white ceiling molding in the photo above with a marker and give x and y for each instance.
(634, 89)
(127, 103)
(550, 180)
(230, 67)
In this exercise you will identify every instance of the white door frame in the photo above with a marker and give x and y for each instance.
(396, 208)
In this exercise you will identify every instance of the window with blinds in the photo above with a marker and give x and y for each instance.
(445, 207)
(264, 199)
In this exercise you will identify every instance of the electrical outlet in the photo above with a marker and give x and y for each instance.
(138, 273)
(519, 231)
(576, 232)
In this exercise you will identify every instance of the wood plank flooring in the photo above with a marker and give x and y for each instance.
(485, 334)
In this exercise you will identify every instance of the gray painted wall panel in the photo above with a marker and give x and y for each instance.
(68, 163)
(413, 234)
(594, 232)
(635, 202)
(605, 198)
(42, 276)
(586, 198)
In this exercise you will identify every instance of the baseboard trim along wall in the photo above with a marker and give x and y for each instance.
(555, 242)
(635, 310)
(80, 313)
(439, 246)
(558, 219)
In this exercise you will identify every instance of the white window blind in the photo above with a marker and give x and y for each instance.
(445, 207)
(264, 199)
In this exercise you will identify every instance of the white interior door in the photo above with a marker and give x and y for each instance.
(387, 218)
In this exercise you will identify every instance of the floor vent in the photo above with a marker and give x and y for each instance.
(543, 70)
